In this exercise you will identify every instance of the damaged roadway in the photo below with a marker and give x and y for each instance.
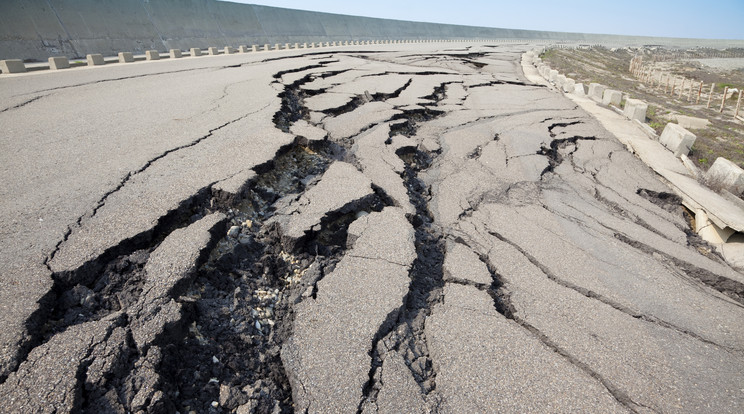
(399, 228)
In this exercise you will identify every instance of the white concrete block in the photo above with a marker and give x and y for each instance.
(560, 80)
(709, 231)
(243, 49)
(612, 97)
(175, 53)
(579, 89)
(95, 59)
(596, 91)
(58, 62)
(126, 57)
(569, 85)
(677, 139)
(152, 55)
(195, 51)
(229, 50)
(213, 51)
(254, 48)
(297, 46)
(277, 46)
(727, 174)
(304, 45)
(267, 48)
(12, 66)
(635, 109)
(286, 46)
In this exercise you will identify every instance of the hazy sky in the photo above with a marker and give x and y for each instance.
(717, 19)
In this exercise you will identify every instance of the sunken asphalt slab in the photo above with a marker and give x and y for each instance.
(466, 241)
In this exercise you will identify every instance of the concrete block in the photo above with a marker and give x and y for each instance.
(312, 45)
(726, 174)
(243, 49)
(12, 66)
(612, 97)
(709, 231)
(229, 50)
(195, 51)
(254, 48)
(635, 109)
(286, 46)
(569, 85)
(152, 55)
(95, 59)
(677, 139)
(175, 53)
(596, 91)
(58, 62)
(277, 46)
(553, 75)
(304, 45)
(213, 51)
(560, 80)
(267, 48)
(579, 89)
(297, 46)
(126, 57)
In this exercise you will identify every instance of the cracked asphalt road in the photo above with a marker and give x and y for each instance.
(407, 228)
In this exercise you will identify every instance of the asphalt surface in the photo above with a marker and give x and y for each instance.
(398, 228)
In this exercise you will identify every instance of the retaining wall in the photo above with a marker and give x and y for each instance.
(37, 29)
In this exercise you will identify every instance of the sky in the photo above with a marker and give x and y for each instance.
(715, 19)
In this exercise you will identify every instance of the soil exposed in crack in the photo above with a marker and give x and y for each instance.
(293, 96)
(405, 333)
(555, 151)
(411, 119)
(244, 295)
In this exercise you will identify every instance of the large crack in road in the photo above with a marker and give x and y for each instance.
(381, 232)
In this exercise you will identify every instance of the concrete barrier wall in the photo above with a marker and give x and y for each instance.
(38, 29)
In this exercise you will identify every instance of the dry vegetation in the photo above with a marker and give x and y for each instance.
(723, 137)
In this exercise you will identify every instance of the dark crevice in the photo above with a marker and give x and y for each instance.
(353, 104)
(422, 73)
(440, 92)
(618, 210)
(329, 53)
(596, 296)
(504, 82)
(504, 306)
(412, 118)
(619, 395)
(729, 287)
(561, 125)
(254, 281)
(22, 104)
(476, 153)
(555, 154)
(127, 178)
(278, 75)
(113, 282)
(293, 107)
(360, 100)
(403, 331)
